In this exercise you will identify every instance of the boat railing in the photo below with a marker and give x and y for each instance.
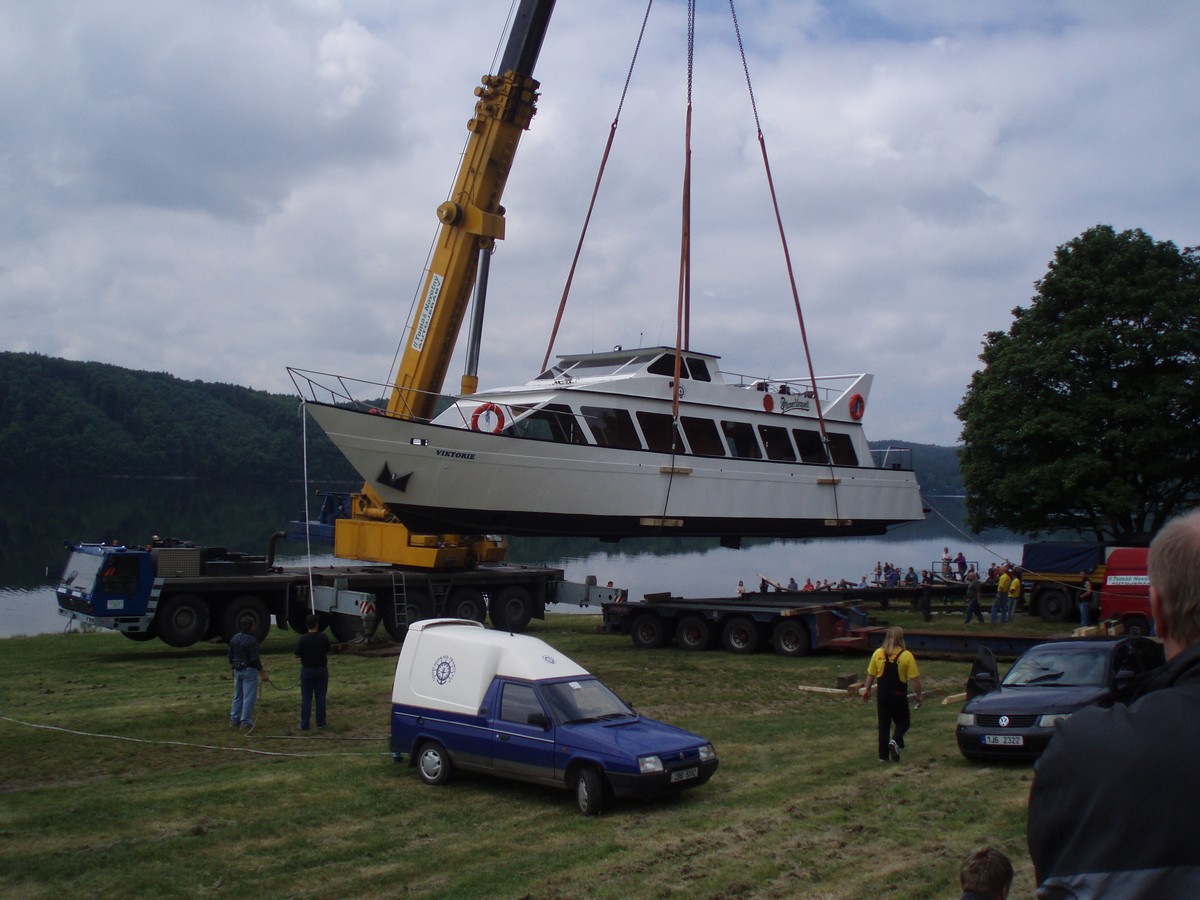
(899, 458)
(826, 387)
(353, 393)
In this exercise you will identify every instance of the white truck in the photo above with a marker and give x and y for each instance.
(511, 705)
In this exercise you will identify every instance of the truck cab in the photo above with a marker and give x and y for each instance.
(108, 587)
(1125, 595)
(511, 705)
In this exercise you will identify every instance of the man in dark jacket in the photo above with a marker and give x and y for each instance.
(313, 652)
(1112, 806)
(246, 666)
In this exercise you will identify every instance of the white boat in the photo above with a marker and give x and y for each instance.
(588, 448)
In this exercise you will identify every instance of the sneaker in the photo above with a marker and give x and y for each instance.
(893, 751)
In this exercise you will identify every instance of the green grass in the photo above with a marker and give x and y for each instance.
(799, 806)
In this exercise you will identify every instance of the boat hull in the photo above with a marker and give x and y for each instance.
(439, 479)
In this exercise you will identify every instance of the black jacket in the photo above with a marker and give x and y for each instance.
(1115, 796)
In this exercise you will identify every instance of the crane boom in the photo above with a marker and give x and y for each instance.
(472, 220)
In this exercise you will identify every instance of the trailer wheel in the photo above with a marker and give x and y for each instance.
(433, 764)
(791, 639)
(741, 635)
(467, 603)
(693, 633)
(512, 609)
(246, 610)
(589, 791)
(1053, 605)
(182, 620)
(1136, 626)
(648, 632)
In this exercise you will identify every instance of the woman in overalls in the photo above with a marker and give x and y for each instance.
(893, 666)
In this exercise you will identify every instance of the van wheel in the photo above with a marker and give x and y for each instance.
(693, 633)
(182, 620)
(1136, 626)
(741, 635)
(647, 632)
(790, 639)
(433, 764)
(589, 791)
(512, 609)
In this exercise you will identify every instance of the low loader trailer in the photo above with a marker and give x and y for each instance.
(182, 593)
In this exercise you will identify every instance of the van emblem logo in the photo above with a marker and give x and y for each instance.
(443, 670)
(549, 660)
(1004, 721)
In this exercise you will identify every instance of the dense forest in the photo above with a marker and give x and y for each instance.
(98, 420)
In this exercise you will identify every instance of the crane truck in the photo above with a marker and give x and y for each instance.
(184, 593)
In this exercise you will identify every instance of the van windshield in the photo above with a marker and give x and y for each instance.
(583, 700)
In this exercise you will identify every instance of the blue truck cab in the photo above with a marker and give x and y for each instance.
(511, 705)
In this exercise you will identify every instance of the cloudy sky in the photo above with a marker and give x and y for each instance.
(220, 190)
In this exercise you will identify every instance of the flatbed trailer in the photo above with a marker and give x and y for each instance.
(183, 593)
(792, 624)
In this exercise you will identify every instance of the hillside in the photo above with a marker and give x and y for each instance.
(95, 419)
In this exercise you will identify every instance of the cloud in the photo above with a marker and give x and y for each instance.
(221, 190)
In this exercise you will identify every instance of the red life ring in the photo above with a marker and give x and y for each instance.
(488, 408)
(857, 406)
(768, 403)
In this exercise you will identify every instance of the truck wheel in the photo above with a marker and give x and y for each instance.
(246, 610)
(740, 635)
(589, 791)
(512, 609)
(433, 764)
(297, 613)
(1136, 626)
(791, 639)
(140, 636)
(345, 628)
(1054, 605)
(693, 633)
(467, 603)
(182, 620)
(417, 606)
(648, 632)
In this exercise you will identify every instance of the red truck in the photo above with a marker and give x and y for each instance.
(1125, 594)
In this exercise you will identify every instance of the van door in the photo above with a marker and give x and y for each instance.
(523, 735)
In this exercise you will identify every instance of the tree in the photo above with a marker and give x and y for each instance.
(1086, 415)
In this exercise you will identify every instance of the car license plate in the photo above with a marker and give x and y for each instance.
(1004, 740)
(685, 774)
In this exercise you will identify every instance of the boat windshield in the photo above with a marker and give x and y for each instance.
(583, 700)
(596, 366)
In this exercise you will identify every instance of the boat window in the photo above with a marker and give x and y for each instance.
(841, 448)
(659, 431)
(553, 422)
(698, 369)
(808, 442)
(741, 439)
(612, 427)
(702, 436)
(775, 440)
(665, 365)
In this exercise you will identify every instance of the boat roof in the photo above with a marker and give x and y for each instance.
(619, 361)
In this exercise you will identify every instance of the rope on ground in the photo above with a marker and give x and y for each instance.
(118, 737)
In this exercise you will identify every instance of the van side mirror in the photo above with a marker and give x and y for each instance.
(538, 720)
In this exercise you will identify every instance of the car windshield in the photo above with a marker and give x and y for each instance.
(583, 700)
(1058, 667)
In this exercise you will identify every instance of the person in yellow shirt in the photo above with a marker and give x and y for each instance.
(1001, 599)
(894, 667)
(1014, 594)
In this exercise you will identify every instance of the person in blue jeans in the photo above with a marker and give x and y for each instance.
(246, 666)
(313, 652)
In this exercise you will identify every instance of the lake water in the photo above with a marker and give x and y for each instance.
(242, 517)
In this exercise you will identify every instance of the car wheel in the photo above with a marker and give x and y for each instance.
(433, 764)
(647, 632)
(693, 633)
(589, 791)
(791, 639)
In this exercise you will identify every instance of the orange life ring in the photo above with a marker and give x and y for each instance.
(488, 408)
(857, 406)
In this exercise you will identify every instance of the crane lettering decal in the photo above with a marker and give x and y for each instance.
(427, 308)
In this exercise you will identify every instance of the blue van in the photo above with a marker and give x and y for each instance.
(471, 698)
